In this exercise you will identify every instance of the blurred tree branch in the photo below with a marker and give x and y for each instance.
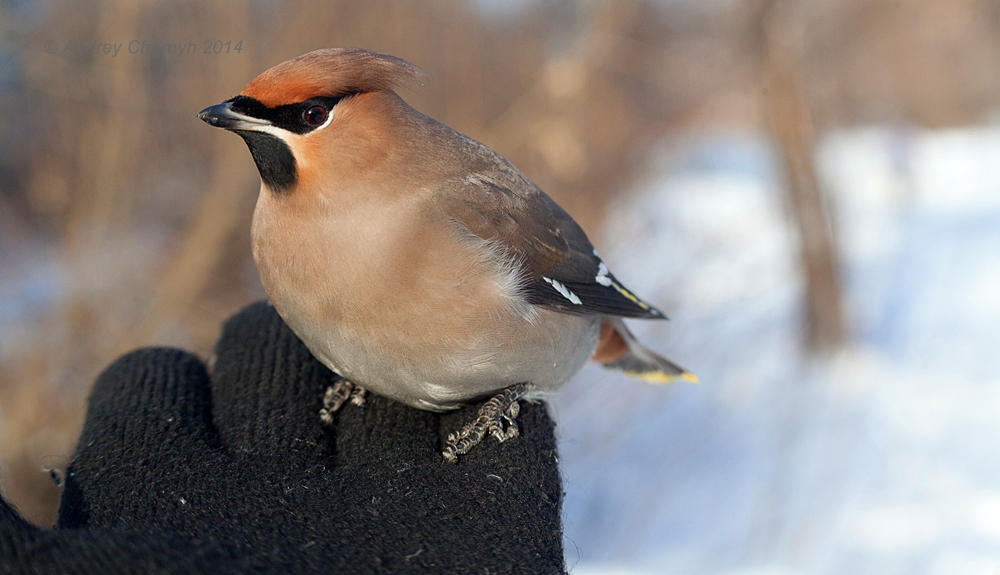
(791, 127)
(184, 277)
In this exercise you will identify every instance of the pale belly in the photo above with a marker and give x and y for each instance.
(547, 353)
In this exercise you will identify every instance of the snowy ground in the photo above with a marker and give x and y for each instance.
(882, 460)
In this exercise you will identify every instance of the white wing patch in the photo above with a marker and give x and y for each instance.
(602, 276)
(566, 293)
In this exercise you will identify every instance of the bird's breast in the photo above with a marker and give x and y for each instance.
(392, 298)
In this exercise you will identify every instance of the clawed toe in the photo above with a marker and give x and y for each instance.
(336, 395)
(496, 418)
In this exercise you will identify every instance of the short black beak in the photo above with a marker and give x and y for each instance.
(223, 116)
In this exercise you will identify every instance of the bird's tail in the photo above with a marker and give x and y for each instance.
(618, 349)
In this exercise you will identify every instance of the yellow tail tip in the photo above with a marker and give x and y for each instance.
(690, 377)
(659, 377)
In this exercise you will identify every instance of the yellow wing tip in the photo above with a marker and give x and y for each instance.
(660, 377)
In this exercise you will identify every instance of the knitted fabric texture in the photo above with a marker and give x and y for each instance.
(180, 471)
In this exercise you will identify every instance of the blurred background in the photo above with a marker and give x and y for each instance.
(810, 188)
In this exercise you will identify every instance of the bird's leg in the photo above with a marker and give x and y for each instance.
(502, 407)
(336, 395)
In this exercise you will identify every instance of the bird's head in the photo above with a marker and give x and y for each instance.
(289, 113)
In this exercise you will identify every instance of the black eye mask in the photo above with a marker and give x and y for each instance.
(289, 117)
(273, 157)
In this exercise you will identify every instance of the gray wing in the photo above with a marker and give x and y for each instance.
(562, 269)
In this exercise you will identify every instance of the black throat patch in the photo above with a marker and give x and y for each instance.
(273, 158)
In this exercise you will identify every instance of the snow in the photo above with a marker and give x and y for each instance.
(882, 459)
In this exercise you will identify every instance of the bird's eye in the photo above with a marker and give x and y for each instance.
(315, 116)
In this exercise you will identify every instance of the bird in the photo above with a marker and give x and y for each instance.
(414, 261)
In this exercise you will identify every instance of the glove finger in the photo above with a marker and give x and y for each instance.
(148, 416)
(267, 387)
(498, 507)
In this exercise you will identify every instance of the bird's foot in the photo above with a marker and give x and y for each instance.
(336, 395)
(502, 408)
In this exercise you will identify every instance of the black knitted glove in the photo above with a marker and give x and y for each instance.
(179, 471)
